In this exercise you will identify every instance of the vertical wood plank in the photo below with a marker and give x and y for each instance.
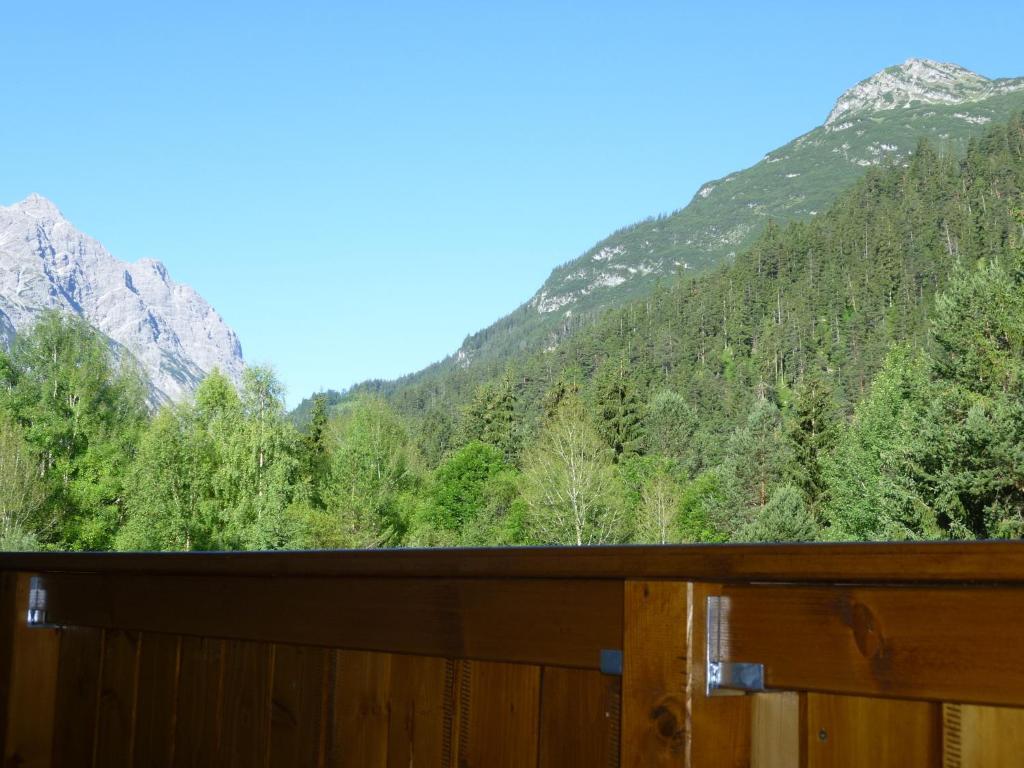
(156, 701)
(497, 715)
(982, 737)
(579, 719)
(78, 687)
(848, 731)
(418, 706)
(8, 624)
(28, 670)
(654, 675)
(719, 727)
(778, 730)
(200, 688)
(116, 717)
(359, 736)
(298, 706)
(245, 711)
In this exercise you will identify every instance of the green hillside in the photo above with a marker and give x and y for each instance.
(780, 348)
(875, 124)
(832, 272)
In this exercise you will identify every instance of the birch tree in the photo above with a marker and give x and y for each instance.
(22, 492)
(569, 484)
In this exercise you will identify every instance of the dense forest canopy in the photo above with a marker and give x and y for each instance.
(858, 376)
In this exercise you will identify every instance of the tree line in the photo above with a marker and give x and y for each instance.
(859, 376)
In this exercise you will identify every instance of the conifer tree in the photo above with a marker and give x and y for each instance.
(758, 457)
(812, 431)
(670, 430)
(315, 451)
(869, 473)
(972, 454)
(784, 518)
(619, 413)
(501, 428)
(566, 386)
(491, 418)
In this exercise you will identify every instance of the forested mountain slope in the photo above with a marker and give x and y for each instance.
(856, 376)
(876, 123)
(832, 293)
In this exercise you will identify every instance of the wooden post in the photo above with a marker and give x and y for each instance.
(654, 727)
(28, 656)
(718, 731)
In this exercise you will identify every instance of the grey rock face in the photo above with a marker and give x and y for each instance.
(45, 263)
(918, 81)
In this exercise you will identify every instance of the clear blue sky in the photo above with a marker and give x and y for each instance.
(357, 186)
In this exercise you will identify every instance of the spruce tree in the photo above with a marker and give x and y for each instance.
(812, 431)
(315, 451)
(972, 457)
(619, 415)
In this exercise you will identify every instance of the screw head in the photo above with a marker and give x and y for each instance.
(822, 735)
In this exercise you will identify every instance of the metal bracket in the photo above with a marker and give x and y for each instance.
(726, 678)
(37, 616)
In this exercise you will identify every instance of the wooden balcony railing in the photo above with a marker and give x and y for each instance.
(868, 655)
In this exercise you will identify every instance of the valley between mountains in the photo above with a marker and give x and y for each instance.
(828, 345)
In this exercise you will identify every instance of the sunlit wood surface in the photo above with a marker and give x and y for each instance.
(873, 656)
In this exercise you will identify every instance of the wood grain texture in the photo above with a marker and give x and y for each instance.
(78, 692)
(390, 710)
(940, 641)
(498, 709)
(654, 675)
(982, 737)
(362, 686)
(418, 706)
(719, 727)
(245, 709)
(557, 622)
(29, 660)
(156, 701)
(115, 729)
(778, 736)
(299, 706)
(943, 644)
(8, 623)
(197, 730)
(852, 731)
(579, 719)
(888, 563)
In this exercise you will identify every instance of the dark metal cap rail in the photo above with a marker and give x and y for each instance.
(933, 562)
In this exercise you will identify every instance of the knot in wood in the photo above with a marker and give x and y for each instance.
(669, 720)
(866, 631)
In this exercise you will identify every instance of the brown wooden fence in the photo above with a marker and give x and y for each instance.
(869, 655)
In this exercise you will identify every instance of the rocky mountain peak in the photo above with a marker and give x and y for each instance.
(37, 206)
(916, 81)
(46, 263)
